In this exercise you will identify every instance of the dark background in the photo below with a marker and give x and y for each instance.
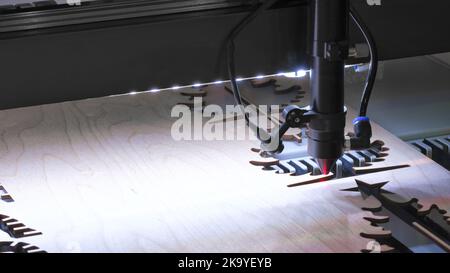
(46, 58)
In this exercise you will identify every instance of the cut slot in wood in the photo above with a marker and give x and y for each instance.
(194, 92)
(16, 229)
(436, 148)
(264, 82)
(4, 195)
(417, 231)
(352, 163)
(19, 247)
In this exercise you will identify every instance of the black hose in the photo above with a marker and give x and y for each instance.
(261, 134)
(259, 8)
(373, 65)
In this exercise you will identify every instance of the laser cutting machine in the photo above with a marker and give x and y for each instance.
(56, 52)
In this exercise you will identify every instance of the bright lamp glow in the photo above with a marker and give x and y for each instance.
(290, 74)
(301, 73)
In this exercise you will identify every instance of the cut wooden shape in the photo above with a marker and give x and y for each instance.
(436, 148)
(379, 248)
(399, 200)
(374, 219)
(294, 137)
(359, 160)
(264, 82)
(344, 167)
(437, 216)
(379, 144)
(4, 195)
(377, 233)
(425, 206)
(7, 198)
(308, 179)
(255, 150)
(282, 89)
(194, 92)
(265, 162)
(19, 247)
(376, 169)
(372, 209)
(16, 229)
(405, 212)
(283, 86)
(286, 167)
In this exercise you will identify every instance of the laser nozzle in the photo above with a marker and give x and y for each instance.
(326, 165)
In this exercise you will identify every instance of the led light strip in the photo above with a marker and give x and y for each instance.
(296, 74)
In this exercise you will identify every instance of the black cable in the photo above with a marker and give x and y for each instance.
(261, 134)
(259, 8)
(373, 65)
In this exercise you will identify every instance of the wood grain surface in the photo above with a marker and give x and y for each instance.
(105, 175)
